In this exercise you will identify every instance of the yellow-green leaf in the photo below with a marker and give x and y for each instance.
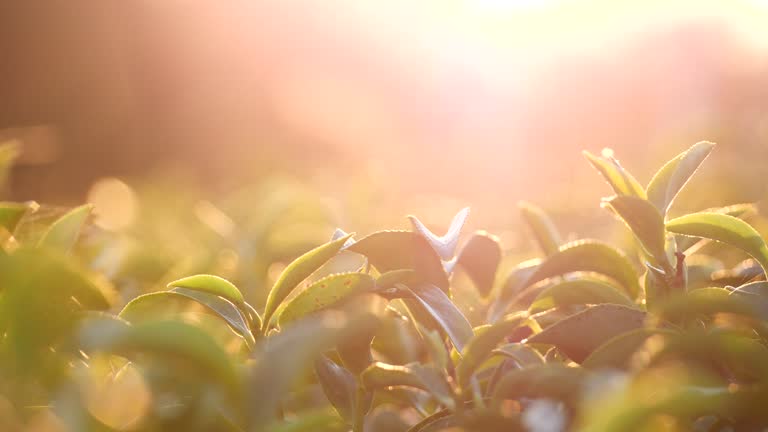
(380, 375)
(645, 222)
(672, 177)
(723, 228)
(63, 233)
(297, 271)
(583, 291)
(480, 346)
(213, 285)
(544, 230)
(325, 293)
(620, 180)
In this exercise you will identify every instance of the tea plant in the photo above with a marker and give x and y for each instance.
(587, 337)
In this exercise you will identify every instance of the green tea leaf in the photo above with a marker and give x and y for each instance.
(705, 302)
(589, 256)
(516, 281)
(339, 386)
(755, 293)
(544, 230)
(11, 214)
(480, 258)
(325, 293)
(63, 233)
(398, 250)
(645, 222)
(723, 228)
(622, 182)
(580, 334)
(213, 285)
(297, 271)
(445, 245)
(582, 291)
(480, 346)
(551, 381)
(380, 375)
(523, 355)
(177, 342)
(145, 307)
(672, 177)
(450, 319)
(617, 352)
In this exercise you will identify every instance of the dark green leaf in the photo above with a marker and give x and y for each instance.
(723, 228)
(672, 177)
(622, 182)
(580, 334)
(381, 375)
(450, 319)
(339, 386)
(398, 250)
(544, 230)
(297, 271)
(582, 291)
(480, 258)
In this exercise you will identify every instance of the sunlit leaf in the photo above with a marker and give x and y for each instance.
(645, 222)
(177, 342)
(706, 302)
(580, 334)
(297, 271)
(544, 230)
(398, 250)
(516, 281)
(63, 233)
(723, 228)
(213, 285)
(551, 381)
(324, 293)
(480, 258)
(224, 308)
(617, 352)
(523, 355)
(672, 177)
(11, 214)
(445, 245)
(755, 293)
(339, 386)
(381, 375)
(622, 182)
(582, 291)
(589, 256)
(480, 346)
(445, 313)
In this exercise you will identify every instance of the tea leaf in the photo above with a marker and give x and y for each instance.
(399, 250)
(480, 258)
(516, 281)
(324, 293)
(445, 245)
(224, 308)
(544, 230)
(583, 291)
(590, 256)
(523, 355)
(450, 319)
(380, 375)
(63, 233)
(617, 352)
(480, 346)
(580, 334)
(645, 222)
(175, 340)
(672, 177)
(339, 386)
(755, 293)
(551, 381)
(723, 228)
(11, 214)
(213, 285)
(615, 175)
(297, 271)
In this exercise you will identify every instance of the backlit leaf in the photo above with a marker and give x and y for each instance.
(63, 233)
(672, 177)
(324, 293)
(480, 258)
(620, 180)
(544, 230)
(445, 245)
(582, 291)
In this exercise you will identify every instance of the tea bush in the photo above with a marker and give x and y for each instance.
(393, 331)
